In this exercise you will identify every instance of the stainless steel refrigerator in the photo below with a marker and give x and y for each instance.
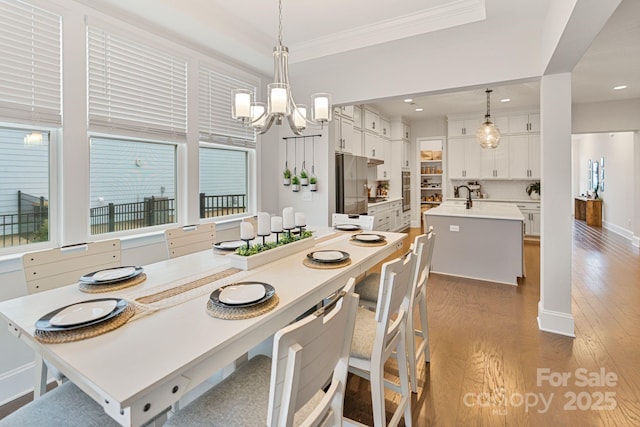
(351, 184)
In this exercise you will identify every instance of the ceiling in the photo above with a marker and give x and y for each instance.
(245, 31)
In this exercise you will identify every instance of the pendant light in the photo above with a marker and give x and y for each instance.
(488, 133)
(280, 104)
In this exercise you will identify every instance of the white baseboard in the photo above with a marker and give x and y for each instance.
(16, 383)
(635, 241)
(555, 322)
(621, 231)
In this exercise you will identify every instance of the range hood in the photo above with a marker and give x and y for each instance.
(374, 162)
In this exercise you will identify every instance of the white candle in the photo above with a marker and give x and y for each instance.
(278, 100)
(321, 108)
(300, 219)
(246, 231)
(288, 221)
(276, 224)
(263, 224)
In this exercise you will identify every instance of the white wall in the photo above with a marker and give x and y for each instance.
(617, 150)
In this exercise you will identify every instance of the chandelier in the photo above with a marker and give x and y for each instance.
(488, 134)
(280, 104)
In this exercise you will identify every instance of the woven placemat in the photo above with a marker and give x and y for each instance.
(229, 313)
(324, 265)
(372, 244)
(97, 289)
(58, 337)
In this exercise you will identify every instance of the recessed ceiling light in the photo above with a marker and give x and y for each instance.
(620, 87)
(419, 109)
(505, 100)
(408, 100)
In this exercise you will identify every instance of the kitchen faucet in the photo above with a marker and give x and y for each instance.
(468, 203)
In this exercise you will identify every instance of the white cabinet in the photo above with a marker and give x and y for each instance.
(531, 213)
(395, 217)
(464, 158)
(371, 121)
(343, 134)
(495, 161)
(356, 143)
(357, 117)
(406, 131)
(346, 111)
(463, 127)
(406, 219)
(406, 155)
(524, 156)
(381, 216)
(383, 171)
(524, 123)
(373, 146)
(385, 128)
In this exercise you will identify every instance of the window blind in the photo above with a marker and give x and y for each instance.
(30, 69)
(214, 101)
(135, 87)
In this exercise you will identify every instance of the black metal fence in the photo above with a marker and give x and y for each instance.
(230, 204)
(30, 224)
(127, 216)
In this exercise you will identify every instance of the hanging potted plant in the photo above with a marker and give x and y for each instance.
(295, 183)
(286, 176)
(313, 181)
(533, 190)
(304, 177)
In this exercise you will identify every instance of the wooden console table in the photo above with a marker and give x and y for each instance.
(589, 210)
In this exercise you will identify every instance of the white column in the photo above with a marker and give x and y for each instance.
(554, 308)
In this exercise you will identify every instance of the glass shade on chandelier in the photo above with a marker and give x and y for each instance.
(488, 134)
(280, 104)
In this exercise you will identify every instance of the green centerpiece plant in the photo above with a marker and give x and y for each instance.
(259, 247)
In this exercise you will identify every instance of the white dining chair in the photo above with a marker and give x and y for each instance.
(53, 268)
(368, 290)
(364, 221)
(380, 335)
(66, 405)
(189, 239)
(291, 388)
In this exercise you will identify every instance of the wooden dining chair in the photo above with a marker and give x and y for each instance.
(380, 335)
(53, 268)
(189, 239)
(292, 387)
(368, 289)
(364, 221)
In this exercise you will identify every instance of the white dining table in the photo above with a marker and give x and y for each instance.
(140, 369)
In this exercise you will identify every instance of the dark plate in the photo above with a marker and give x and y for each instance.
(88, 278)
(368, 238)
(347, 227)
(229, 245)
(315, 258)
(269, 293)
(44, 324)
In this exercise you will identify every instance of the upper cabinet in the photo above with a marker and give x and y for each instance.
(343, 134)
(357, 117)
(385, 128)
(371, 121)
(373, 146)
(406, 131)
(463, 127)
(524, 156)
(346, 111)
(524, 123)
(406, 155)
(495, 162)
(464, 158)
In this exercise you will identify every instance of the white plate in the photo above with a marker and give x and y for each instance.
(367, 237)
(232, 245)
(113, 274)
(83, 312)
(328, 255)
(242, 294)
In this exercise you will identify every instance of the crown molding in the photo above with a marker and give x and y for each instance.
(455, 13)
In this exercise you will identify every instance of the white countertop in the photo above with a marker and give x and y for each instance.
(462, 199)
(389, 200)
(506, 211)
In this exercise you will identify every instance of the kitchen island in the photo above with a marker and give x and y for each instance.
(484, 242)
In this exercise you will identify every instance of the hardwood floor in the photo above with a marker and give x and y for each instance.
(486, 349)
(492, 366)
